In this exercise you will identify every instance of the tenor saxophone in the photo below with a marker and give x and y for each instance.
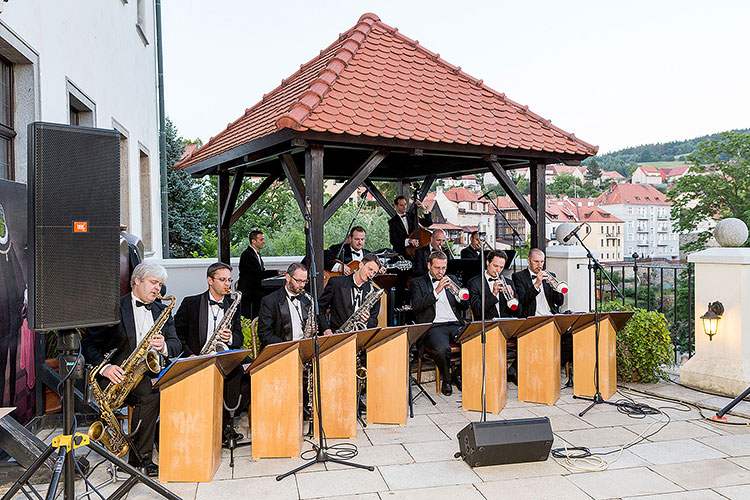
(355, 321)
(142, 359)
(215, 344)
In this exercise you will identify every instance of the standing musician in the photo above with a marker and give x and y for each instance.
(530, 282)
(198, 318)
(472, 251)
(344, 294)
(433, 303)
(422, 254)
(285, 312)
(401, 225)
(354, 250)
(495, 303)
(252, 273)
(138, 312)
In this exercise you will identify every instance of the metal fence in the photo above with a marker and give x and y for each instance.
(655, 286)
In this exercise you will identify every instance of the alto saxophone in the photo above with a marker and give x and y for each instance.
(143, 358)
(356, 321)
(215, 344)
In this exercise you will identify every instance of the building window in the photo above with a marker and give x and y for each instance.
(145, 179)
(140, 25)
(81, 108)
(7, 133)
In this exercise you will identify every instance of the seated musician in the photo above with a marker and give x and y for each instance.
(196, 322)
(285, 312)
(529, 284)
(495, 303)
(344, 294)
(437, 240)
(401, 225)
(472, 250)
(139, 310)
(354, 250)
(433, 303)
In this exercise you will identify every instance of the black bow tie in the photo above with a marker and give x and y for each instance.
(402, 216)
(296, 297)
(148, 306)
(492, 279)
(435, 280)
(214, 303)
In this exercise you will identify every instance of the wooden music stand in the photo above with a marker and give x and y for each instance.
(584, 353)
(338, 384)
(387, 376)
(276, 401)
(471, 367)
(191, 403)
(539, 360)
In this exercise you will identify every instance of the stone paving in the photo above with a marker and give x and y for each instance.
(689, 458)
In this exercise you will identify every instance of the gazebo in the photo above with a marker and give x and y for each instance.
(377, 106)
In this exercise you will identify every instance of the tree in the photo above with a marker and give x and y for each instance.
(186, 217)
(563, 184)
(593, 172)
(718, 186)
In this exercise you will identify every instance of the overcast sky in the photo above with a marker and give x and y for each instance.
(616, 74)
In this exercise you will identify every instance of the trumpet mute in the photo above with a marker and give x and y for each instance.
(562, 287)
(463, 294)
(513, 304)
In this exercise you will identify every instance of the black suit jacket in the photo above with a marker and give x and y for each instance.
(337, 296)
(191, 323)
(421, 256)
(469, 253)
(275, 320)
(251, 275)
(99, 340)
(493, 308)
(397, 234)
(423, 300)
(526, 293)
(329, 256)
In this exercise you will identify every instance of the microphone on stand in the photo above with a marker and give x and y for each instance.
(308, 212)
(573, 232)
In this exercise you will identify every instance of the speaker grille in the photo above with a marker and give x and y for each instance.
(73, 276)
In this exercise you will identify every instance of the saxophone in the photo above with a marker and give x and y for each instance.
(215, 344)
(355, 321)
(143, 358)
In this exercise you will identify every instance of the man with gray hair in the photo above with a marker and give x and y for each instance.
(139, 310)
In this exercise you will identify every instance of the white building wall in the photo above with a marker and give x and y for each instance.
(656, 238)
(95, 47)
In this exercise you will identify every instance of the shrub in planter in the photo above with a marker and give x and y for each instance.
(644, 345)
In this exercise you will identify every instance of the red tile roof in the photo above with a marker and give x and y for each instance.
(649, 170)
(376, 82)
(612, 174)
(671, 172)
(445, 226)
(633, 194)
(596, 214)
(189, 149)
(459, 194)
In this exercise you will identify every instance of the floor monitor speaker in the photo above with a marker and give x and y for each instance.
(505, 441)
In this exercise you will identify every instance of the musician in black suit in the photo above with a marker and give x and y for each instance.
(353, 250)
(495, 303)
(199, 316)
(139, 310)
(472, 251)
(422, 254)
(401, 225)
(285, 312)
(252, 273)
(344, 294)
(530, 282)
(433, 303)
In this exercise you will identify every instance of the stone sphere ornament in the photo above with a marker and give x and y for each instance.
(731, 232)
(562, 231)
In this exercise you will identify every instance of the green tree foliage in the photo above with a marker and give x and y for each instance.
(718, 186)
(186, 216)
(563, 184)
(593, 172)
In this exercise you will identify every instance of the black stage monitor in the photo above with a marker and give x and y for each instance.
(74, 226)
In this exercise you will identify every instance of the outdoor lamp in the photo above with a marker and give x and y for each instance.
(711, 318)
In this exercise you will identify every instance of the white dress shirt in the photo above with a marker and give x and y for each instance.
(144, 320)
(356, 255)
(491, 284)
(215, 315)
(405, 222)
(443, 310)
(542, 307)
(295, 312)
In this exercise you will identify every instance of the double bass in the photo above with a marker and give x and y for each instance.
(420, 233)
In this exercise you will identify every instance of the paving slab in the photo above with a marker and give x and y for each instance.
(519, 471)
(734, 445)
(397, 435)
(432, 451)
(682, 495)
(735, 492)
(704, 474)
(261, 487)
(596, 438)
(390, 454)
(668, 452)
(339, 482)
(624, 482)
(425, 475)
(538, 488)
(464, 492)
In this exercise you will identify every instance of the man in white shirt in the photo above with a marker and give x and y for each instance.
(285, 312)
(139, 310)
(536, 295)
(336, 258)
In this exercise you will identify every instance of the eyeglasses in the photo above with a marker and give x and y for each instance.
(223, 280)
(299, 282)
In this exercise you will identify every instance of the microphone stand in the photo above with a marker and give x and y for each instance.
(515, 233)
(321, 449)
(482, 237)
(348, 231)
(595, 264)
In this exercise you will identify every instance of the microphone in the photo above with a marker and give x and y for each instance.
(308, 212)
(487, 193)
(573, 232)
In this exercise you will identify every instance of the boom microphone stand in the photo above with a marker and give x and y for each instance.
(596, 265)
(512, 228)
(321, 449)
(482, 237)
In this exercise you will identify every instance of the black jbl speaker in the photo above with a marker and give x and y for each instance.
(505, 441)
(74, 226)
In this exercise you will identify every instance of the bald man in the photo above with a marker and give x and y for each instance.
(423, 253)
(529, 284)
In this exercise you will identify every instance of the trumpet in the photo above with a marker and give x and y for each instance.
(559, 286)
(508, 294)
(459, 292)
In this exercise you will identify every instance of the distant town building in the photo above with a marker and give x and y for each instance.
(605, 231)
(671, 175)
(647, 175)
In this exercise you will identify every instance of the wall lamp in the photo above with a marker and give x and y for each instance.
(711, 318)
